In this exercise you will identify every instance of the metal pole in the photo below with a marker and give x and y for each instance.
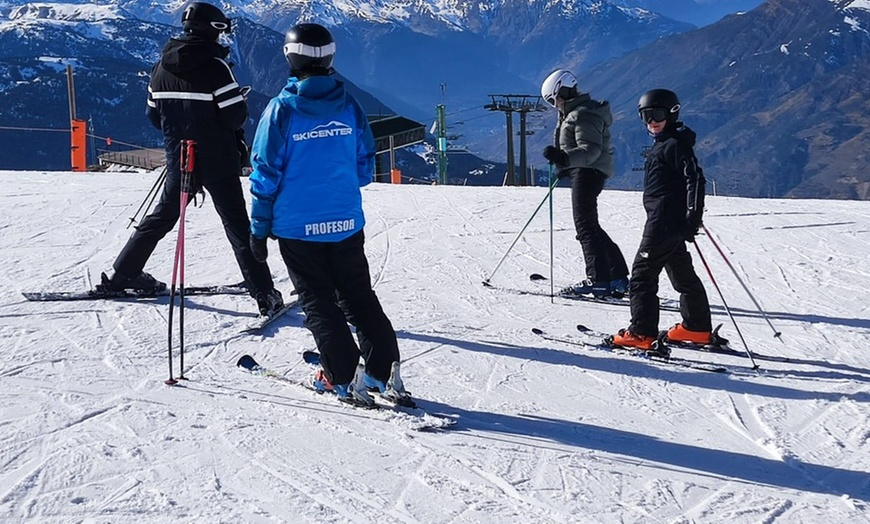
(776, 332)
(552, 185)
(727, 309)
(523, 168)
(187, 166)
(529, 221)
(512, 177)
(149, 198)
(442, 143)
(71, 91)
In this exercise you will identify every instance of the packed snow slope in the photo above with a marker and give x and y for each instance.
(545, 432)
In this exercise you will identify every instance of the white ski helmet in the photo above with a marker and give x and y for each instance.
(561, 83)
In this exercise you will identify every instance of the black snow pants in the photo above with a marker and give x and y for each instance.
(225, 189)
(334, 287)
(668, 253)
(604, 260)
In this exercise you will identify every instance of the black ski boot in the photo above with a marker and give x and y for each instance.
(141, 283)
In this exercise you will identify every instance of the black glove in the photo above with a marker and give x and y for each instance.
(259, 249)
(692, 225)
(556, 156)
(244, 150)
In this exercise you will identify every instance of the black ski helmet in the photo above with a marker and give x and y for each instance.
(663, 100)
(205, 20)
(309, 49)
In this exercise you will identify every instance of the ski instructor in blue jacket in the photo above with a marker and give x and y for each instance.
(312, 153)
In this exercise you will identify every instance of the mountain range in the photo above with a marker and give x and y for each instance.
(741, 79)
(778, 97)
(698, 12)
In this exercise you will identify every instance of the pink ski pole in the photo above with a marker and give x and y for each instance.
(187, 166)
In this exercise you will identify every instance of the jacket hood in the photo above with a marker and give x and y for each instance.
(315, 95)
(189, 52)
(584, 102)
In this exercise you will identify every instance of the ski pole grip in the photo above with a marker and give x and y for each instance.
(188, 156)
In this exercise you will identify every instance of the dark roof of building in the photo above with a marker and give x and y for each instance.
(404, 131)
(391, 125)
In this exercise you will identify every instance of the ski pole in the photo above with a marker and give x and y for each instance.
(187, 166)
(552, 185)
(152, 194)
(724, 303)
(550, 194)
(776, 332)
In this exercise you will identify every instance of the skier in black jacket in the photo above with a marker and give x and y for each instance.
(673, 197)
(583, 152)
(193, 95)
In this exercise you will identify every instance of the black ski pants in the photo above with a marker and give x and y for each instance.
(604, 260)
(334, 287)
(668, 253)
(229, 202)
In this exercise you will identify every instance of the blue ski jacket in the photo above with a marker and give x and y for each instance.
(312, 153)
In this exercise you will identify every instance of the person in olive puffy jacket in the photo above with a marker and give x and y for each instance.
(583, 152)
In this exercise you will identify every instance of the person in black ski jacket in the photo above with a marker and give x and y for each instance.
(193, 95)
(583, 152)
(673, 198)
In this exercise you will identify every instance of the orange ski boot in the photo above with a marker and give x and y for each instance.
(680, 334)
(626, 339)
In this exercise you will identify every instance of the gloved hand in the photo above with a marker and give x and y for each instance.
(556, 156)
(244, 150)
(259, 249)
(692, 225)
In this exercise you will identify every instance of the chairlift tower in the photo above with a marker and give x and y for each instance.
(522, 104)
(441, 124)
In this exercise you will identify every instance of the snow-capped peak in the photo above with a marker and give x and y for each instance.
(66, 12)
(857, 13)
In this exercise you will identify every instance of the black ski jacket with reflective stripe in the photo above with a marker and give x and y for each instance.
(194, 95)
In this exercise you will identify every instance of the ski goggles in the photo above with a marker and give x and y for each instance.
(654, 114)
(223, 27)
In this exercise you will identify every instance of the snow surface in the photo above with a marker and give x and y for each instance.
(545, 432)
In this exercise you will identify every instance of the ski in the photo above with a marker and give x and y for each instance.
(414, 419)
(101, 294)
(311, 357)
(576, 298)
(598, 343)
(664, 304)
(662, 340)
(720, 346)
(259, 326)
(622, 300)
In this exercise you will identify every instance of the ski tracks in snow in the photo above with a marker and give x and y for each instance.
(812, 441)
(336, 493)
